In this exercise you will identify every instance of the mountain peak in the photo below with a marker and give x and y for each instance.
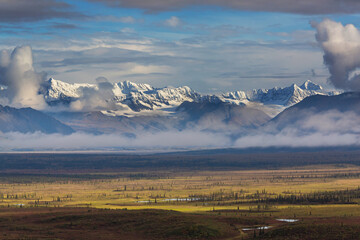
(130, 86)
(294, 87)
(138, 96)
(309, 85)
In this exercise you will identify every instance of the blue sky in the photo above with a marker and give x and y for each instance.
(215, 47)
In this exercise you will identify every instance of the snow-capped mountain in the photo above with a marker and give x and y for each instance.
(128, 96)
(128, 108)
(286, 97)
(137, 97)
(60, 91)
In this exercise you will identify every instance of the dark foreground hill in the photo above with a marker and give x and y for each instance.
(216, 116)
(189, 115)
(28, 120)
(97, 224)
(339, 106)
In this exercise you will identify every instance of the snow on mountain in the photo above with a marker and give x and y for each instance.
(55, 90)
(143, 97)
(137, 97)
(273, 101)
(287, 96)
(128, 87)
(309, 85)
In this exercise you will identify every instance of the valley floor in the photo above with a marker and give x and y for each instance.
(289, 202)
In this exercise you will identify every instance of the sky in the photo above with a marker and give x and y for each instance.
(209, 45)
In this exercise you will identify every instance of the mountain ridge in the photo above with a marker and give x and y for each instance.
(25, 120)
(319, 111)
(131, 97)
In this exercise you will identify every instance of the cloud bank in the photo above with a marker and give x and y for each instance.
(82, 142)
(326, 129)
(341, 46)
(307, 7)
(34, 10)
(313, 129)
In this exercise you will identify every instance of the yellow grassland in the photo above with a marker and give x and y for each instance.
(155, 192)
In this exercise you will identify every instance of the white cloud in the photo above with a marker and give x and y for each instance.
(173, 22)
(289, 139)
(330, 128)
(341, 46)
(18, 74)
(81, 141)
(326, 129)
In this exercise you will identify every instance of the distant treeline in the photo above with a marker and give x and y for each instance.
(212, 160)
(348, 196)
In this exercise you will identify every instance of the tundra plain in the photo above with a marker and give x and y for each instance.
(72, 195)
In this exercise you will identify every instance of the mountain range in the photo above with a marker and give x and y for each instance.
(128, 108)
(127, 98)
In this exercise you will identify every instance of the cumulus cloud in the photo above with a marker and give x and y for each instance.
(34, 10)
(96, 99)
(22, 82)
(173, 22)
(307, 7)
(341, 46)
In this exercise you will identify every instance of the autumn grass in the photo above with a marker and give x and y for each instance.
(221, 204)
(141, 191)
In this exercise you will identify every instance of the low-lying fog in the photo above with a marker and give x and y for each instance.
(331, 128)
